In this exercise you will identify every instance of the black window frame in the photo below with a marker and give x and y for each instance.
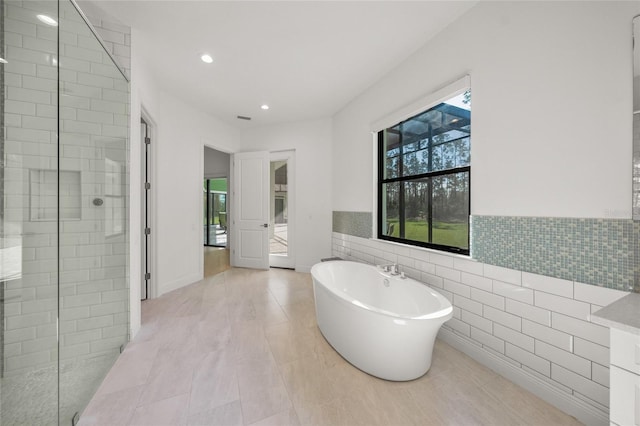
(381, 181)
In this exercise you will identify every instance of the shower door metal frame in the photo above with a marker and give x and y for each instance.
(2, 281)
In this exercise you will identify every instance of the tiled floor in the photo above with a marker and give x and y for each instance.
(216, 260)
(242, 348)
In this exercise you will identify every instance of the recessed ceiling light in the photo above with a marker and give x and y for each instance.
(206, 58)
(265, 107)
(3, 61)
(47, 20)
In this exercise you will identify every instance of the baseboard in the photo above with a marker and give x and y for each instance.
(179, 283)
(571, 405)
(303, 268)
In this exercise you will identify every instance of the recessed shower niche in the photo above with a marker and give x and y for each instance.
(44, 195)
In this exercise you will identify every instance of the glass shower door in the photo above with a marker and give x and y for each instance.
(64, 233)
(93, 192)
(29, 226)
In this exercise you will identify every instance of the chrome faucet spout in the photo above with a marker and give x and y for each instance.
(395, 269)
(392, 268)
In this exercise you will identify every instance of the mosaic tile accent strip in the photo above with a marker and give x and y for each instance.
(636, 165)
(636, 260)
(357, 224)
(602, 252)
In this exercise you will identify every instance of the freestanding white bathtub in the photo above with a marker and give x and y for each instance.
(384, 325)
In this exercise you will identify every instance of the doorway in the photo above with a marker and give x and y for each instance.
(215, 212)
(281, 201)
(263, 210)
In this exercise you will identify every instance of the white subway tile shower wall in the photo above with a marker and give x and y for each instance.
(117, 40)
(540, 324)
(93, 244)
(30, 336)
(94, 130)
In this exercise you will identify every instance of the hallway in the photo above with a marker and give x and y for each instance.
(216, 260)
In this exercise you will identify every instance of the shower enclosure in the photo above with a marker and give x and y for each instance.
(64, 232)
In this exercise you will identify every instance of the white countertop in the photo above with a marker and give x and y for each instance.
(623, 314)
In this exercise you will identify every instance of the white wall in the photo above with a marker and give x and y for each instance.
(216, 163)
(552, 136)
(311, 141)
(181, 132)
(551, 96)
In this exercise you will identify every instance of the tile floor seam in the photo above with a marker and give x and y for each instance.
(130, 416)
(281, 377)
(190, 391)
(135, 405)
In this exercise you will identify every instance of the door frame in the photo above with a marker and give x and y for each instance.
(148, 165)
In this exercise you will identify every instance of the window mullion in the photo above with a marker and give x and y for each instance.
(382, 164)
(430, 175)
(430, 185)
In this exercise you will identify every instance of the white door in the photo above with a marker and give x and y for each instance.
(251, 213)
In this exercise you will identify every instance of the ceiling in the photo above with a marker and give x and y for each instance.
(305, 59)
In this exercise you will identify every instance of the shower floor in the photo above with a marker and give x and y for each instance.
(31, 397)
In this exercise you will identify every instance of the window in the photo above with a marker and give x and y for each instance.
(424, 167)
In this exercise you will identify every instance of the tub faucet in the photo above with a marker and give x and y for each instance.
(392, 268)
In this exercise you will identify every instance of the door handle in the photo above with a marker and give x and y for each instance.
(265, 225)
